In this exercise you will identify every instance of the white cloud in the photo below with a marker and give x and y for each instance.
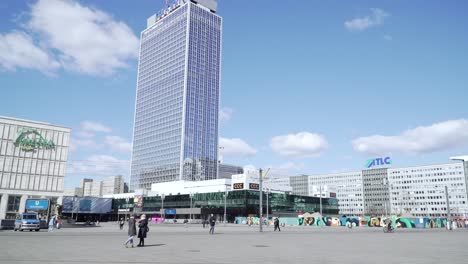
(118, 143)
(87, 40)
(300, 145)
(85, 134)
(91, 126)
(235, 147)
(424, 139)
(99, 165)
(83, 143)
(359, 24)
(71, 36)
(225, 114)
(285, 169)
(17, 50)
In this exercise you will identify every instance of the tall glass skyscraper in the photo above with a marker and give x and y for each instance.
(177, 100)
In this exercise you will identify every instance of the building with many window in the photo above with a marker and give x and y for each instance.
(33, 160)
(108, 186)
(112, 185)
(347, 186)
(299, 184)
(421, 191)
(177, 98)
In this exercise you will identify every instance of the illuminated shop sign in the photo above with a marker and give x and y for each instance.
(378, 162)
(29, 139)
(254, 186)
(238, 186)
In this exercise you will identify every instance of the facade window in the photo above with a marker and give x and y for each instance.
(13, 203)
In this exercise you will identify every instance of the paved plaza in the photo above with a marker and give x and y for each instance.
(235, 244)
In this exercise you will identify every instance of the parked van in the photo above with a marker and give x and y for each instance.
(27, 221)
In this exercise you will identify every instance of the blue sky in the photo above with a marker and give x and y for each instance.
(308, 87)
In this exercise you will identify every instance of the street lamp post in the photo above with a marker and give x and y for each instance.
(191, 195)
(267, 194)
(73, 207)
(162, 208)
(225, 199)
(261, 201)
(320, 200)
(385, 184)
(449, 218)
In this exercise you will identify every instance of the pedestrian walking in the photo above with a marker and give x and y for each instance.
(131, 230)
(121, 223)
(276, 224)
(58, 222)
(204, 222)
(212, 224)
(52, 223)
(143, 230)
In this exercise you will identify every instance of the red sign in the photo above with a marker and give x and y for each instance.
(254, 186)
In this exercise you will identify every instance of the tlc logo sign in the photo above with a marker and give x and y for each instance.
(378, 162)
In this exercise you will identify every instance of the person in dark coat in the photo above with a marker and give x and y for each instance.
(143, 229)
(121, 223)
(212, 224)
(131, 230)
(276, 224)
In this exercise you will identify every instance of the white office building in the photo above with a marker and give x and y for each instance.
(418, 191)
(108, 186)
(33, 160)
(96, 189)
(112, 185)
(75, 192)
(347, 186)
(87, 188)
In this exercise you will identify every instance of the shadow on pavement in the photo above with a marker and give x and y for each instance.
(155, 245)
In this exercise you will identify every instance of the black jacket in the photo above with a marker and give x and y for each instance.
(212, 221)
(143, 225)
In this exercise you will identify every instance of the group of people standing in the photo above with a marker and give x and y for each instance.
(143, 230)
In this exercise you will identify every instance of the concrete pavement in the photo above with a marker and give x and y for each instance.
(235, 244)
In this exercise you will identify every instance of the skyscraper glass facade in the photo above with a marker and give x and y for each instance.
(176, 114)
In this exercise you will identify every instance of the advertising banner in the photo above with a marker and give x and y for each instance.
(170, 211)
(138, 201)
(90, 205)
(37, 204)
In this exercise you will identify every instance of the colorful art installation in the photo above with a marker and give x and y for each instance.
(306, 219)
